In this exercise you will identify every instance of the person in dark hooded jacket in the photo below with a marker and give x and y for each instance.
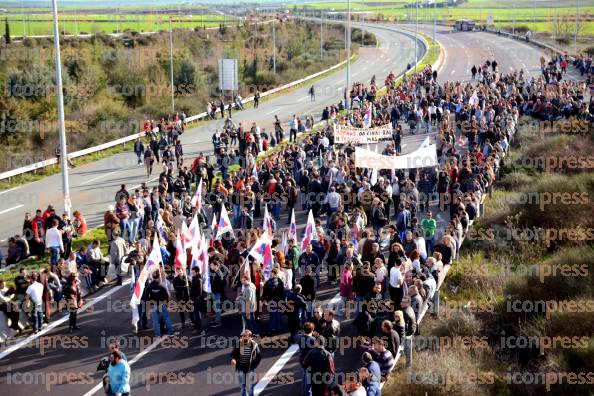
(196, 296)
(274, 293)
(321, 368)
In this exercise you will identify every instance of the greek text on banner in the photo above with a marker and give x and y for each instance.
(346, 134)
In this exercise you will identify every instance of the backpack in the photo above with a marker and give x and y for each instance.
(363, 323)
(280, 258)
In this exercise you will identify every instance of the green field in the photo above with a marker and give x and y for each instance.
(77, 23)
(503, 13)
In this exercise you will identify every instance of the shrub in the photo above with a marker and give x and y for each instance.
(460, 323)
(515, 180)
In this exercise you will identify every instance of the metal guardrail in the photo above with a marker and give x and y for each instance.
(523, 38)
(189, 120)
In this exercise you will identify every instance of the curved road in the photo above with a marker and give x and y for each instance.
(202, 359)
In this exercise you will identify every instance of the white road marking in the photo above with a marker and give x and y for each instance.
(58, 322)
(284, 359)
(147, 182)
(9, 190)
(9, 209)
(98, 177)
(275, 369)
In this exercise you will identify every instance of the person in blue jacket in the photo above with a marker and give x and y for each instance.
(119, 375)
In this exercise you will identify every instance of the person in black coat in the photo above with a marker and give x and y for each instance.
(320, 364)
(196, 296)
(246, 222)
(182, 294)
(246, 357)
(296, 308)
(274, 293)
(308, 285)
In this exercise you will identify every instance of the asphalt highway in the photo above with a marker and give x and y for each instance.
(190, 364)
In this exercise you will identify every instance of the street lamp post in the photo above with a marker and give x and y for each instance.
(23, 17)
(348, 45)
(434, 18)
(273, 47)
(321, 35)
(171, 67)
(577, 24)
(514, 18)
(534, 17)
(416, 31)
(60, 97)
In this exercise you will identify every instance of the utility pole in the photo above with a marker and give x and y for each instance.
(534, 17)
(416, 32)
(171, 67)
(23, 17)
(273, 47)
(514, 18)
(434, 19)
(577, 25)
(348, 45)
(60, 97)
(321, 35)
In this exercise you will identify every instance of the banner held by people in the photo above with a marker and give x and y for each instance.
(347, 134)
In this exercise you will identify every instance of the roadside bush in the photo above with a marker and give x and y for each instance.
(442, 373)
(522, 29)
(577, 282)
(266, 78)
(558, 214)
(514, 180)
(460, 323)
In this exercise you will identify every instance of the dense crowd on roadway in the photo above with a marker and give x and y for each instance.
(383, 238)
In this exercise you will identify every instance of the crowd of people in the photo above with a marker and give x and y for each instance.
(384, 238)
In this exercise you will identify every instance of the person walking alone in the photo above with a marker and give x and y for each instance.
(139, 150)
(118, 373)
(245, 358)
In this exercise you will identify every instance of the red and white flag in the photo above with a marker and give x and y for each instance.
(292, 233)
(267, 222)
(224, 223)
(262, 253)
(197, 198)
(310, 231)
(152, 265)
(204, 265)
(180, 253)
